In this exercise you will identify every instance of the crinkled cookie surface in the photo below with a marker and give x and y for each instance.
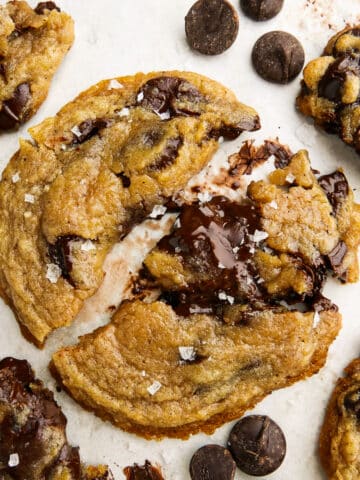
(331, 87)
(91, 173)
(33, 43)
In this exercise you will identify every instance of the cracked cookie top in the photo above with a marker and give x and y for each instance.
(331, 87)
(92, 172)
(33, 43)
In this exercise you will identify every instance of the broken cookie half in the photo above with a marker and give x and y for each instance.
(33, 443)
(240, 313)
(33, 43)
(91, 173)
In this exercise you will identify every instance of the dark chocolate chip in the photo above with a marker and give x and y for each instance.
(261, 10)
(323, 304)
(124, 179)
(257, 444)
(282, 153)
(41, 8)
(212, 462)
(168, 156)
(89, 128)
(352, 403)
(336, 257)
(211, 26)
(336, 188)
(331, 84)
(12, 112)
(228, 132)
(60, 254)
(144, 472)
(171, 95)
(3, 69)
(278, 57)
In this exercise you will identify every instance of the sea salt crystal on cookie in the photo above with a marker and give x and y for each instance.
(15, 178)
(13, 460)
(258, 236)
(187, 353)
(53, 272)
(114, 84)
(165, 115)
(140, 97)
(316, 319)
(87, 246)
(224, 296)
(124, 112)
(154, 387)
(29, 198)
(204, 197)
(157, 211)
(76, 131)
(290, 178)
(273, 204)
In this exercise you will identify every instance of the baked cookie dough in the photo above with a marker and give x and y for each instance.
(33, 43)
(340, 434)
(92, 172)
(33, 441)
(224, 332)
(331, 87)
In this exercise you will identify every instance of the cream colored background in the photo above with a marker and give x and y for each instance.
(119, 37)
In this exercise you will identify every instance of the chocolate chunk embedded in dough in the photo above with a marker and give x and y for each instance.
(257, 444)
(211, 26)
(278, 57)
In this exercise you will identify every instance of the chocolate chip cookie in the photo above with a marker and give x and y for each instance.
(91, 173)
(33, 43)
(33, 441)
(340, 435)
(331, 87)
(225, 330)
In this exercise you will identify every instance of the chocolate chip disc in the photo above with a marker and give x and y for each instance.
(261, 10)
(212, 462)
(211, 26)
(278, 57)
(257, 444)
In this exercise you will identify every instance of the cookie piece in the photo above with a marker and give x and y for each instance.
(91, 173)
(257, 444)
(261, 10)
(211, 26)
(212, 462)
(33, 43)
(193, 360)
(339, 445)
(278, 57)
(32, 431)
(331, 87)
(159, 394)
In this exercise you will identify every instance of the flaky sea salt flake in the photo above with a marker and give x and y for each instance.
(53, 272)
(14, 460)
(76, 131)
(29, 198)
(188, 354)
(273, 205)
(165, 115)
(316, 319)
(157, 211)
(258, 236)
(290, 178)
(140, 97)
(204, 197)
(113, 84)
(87, 246)
(124, 112)
(154, 387)
(15, 178)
